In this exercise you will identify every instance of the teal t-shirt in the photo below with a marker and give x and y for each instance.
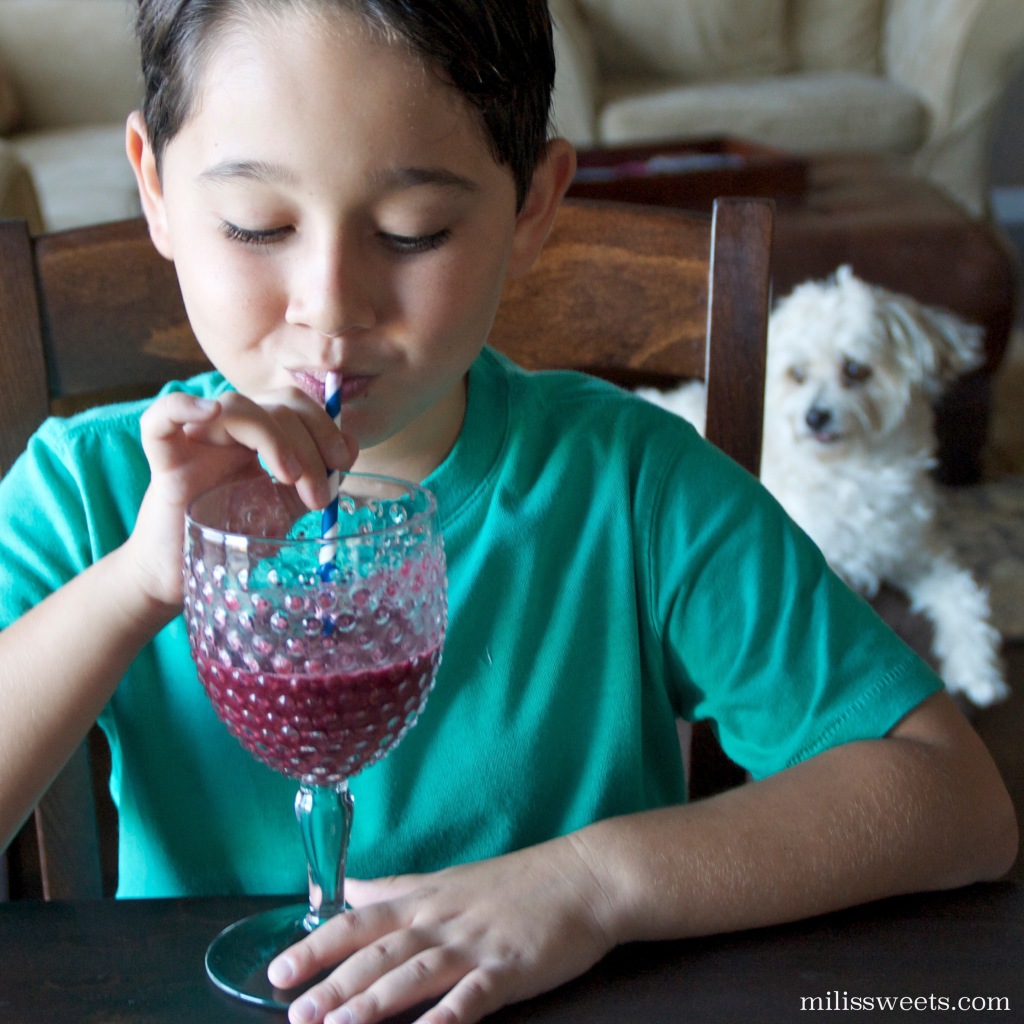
(609, 571)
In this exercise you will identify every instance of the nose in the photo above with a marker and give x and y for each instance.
(817, 417)
(330, 291)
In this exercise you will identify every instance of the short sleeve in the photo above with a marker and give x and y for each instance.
(70, 498)
(45, 542)
(759, 636)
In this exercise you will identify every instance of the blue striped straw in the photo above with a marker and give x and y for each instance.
(329, 521)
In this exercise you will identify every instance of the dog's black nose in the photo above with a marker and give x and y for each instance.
(817, 417)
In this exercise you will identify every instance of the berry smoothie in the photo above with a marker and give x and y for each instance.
(320, 727)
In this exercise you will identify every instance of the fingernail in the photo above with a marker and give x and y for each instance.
(280, 972)
(339, 449)
(302, 1011)
(321, 494)
(291, 465)
(340, 1016)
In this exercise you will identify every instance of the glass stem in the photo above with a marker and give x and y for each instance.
(324, 814)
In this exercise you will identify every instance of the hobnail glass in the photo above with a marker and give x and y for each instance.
(318, 655)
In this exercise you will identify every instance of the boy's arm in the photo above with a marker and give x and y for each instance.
(59, 665)
(61, 661)
(923, 808)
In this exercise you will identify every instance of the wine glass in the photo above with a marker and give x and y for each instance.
(318, 655)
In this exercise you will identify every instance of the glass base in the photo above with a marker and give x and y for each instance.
(237, 959)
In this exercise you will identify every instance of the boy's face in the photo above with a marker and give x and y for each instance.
(332, 206)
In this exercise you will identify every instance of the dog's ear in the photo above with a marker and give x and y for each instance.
(843, 275)
(934, 345)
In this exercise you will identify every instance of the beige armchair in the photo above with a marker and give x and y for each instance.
(71, 71)
(919, 80)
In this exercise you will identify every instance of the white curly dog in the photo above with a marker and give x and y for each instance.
(853, 373)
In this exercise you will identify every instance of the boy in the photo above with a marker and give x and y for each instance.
(344, 186)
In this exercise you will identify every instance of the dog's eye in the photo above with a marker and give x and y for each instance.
(797, 374)
(855, 372)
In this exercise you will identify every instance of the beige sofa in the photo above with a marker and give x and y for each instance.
(71, 68)
(919, 80)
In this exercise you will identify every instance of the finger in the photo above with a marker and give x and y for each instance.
(233, 420)
(169, 415)
(372, 962)
(337, 450)
(309, 436)
(310, 479)
(167, 428)
(277, 436)
(377, 982)
(333, 941)
(472, 998)
(422, 977)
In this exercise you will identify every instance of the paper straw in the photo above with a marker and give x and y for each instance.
(329, 521)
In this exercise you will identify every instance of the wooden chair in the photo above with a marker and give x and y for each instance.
(635, 294)
(640, 295)
(85, 316)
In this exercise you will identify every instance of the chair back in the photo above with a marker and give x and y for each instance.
(647, 295)
(87, 315)
(639, 295)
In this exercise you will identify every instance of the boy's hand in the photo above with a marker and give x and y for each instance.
(194, 444)
(481, 935)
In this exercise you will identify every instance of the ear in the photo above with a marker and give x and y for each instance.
(552, 177)
(960, 345)
(147, 177)
(933, 343)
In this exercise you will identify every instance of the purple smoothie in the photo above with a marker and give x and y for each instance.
(320, 728)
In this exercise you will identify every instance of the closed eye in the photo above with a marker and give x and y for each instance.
(247, 236)
(408, 245)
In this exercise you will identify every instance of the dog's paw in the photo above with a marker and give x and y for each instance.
(982, 690)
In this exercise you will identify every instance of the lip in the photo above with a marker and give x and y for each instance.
(827, 437)
(311, 382)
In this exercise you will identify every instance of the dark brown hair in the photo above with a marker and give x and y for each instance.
(497, 54)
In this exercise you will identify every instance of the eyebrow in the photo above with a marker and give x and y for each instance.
(247, 170)
(388, 181)
(414, 177)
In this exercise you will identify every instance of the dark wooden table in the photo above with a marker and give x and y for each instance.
(116, 961)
